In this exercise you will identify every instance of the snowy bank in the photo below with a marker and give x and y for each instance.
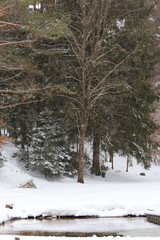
(118, 194)
(64, 199)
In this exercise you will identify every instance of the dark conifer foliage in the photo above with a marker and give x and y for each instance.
(84, 75)
(112, 42)
(51, 153)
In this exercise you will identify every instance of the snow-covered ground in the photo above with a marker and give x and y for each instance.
(118, 194)
(8, 237)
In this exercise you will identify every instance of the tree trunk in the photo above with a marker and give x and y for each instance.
(106, 156)
(27, 152)
(77, 145)
(23, 142)
(127, 164)
(81, 153)
(23, 135)
(95, 164)
(4, 131)
(111, 158)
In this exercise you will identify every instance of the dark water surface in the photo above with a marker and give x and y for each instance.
(82, 227)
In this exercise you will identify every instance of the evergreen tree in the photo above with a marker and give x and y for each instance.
(51, 155)
(97, 55)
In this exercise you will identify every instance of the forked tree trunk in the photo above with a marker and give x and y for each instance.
(96, 145)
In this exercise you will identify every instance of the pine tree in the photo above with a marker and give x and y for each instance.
(50, 153)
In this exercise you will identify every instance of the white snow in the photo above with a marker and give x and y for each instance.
(118, 194)
(8, 237)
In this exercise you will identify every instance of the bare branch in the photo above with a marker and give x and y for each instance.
(10, 78)
(21, 103)
(113, 70)
(17, 43)
(25, 91)
(10, 24)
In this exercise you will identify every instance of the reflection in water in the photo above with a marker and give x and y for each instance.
(82, 227)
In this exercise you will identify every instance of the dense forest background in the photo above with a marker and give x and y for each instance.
(74, 73)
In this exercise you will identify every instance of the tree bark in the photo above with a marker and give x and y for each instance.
(81, 153)
(111, 158)
(96, 145)
(23, 135)
(127, 164)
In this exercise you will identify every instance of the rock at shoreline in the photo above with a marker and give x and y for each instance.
(142, 174)
(28, 184)
(10, 206)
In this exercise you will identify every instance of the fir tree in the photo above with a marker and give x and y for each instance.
(50, 153)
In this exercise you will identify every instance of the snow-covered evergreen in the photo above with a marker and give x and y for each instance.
(51, 153)
(2, 159)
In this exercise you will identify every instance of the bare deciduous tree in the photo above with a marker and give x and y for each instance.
(100, 48)
(92, 33)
